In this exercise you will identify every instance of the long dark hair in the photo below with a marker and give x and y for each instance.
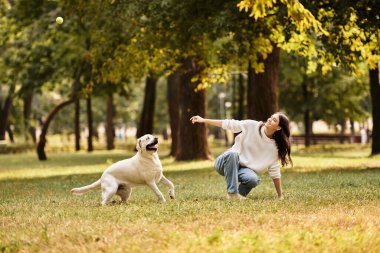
(281, 137)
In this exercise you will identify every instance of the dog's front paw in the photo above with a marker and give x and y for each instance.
(162, 201)
(172, 194)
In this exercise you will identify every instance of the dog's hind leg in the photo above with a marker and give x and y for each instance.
(169, 184)
(124, 191)
(157, 191)
(108, 190)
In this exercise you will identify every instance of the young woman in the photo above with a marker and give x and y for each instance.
(258, 149)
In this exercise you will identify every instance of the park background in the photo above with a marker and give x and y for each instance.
(75, 96)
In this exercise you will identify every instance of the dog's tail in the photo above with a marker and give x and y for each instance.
(84, 189)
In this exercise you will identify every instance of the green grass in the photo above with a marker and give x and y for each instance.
(332, 205)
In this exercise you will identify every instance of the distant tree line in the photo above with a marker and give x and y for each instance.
(308, 58)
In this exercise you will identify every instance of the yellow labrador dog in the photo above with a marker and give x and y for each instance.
(142, 169)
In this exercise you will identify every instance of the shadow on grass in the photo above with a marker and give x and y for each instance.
(203, 173)
(205, 188)
(348, 157)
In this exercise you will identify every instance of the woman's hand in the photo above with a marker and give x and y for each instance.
(197, 119)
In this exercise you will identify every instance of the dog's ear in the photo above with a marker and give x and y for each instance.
(138, 145)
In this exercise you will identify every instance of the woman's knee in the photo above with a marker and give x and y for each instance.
(231, 156)
(251, 181)
(226, 161)
(225, 158)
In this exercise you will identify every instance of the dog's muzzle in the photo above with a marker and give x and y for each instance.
(152, 146)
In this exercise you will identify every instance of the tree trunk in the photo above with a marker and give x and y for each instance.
(10, 134)
(173, 95)
(307, 123)
(240, 114)
(110, 129)
(77, 124)
(28, 99)
(262, 94)
(32, 132)
(342, 131)
(5, 110)
(233, 102)
(89, 125)
(306, 115)
(240, 100)
(250, 91)
(375, 97)
(147, 114)
(352, 131)
(45, 126)
(77, 89)
(192, 141)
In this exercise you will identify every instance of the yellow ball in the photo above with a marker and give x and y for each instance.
(59, 20)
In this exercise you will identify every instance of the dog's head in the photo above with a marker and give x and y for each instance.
(147, 143)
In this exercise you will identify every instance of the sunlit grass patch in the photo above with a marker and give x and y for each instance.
(331, 205)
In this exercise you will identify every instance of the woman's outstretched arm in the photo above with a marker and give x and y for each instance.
(212, 122)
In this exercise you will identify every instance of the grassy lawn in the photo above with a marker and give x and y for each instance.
(332, 204)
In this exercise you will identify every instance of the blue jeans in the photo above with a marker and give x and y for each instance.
(228, 166)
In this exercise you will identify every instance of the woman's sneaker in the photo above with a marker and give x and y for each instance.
(233, 196)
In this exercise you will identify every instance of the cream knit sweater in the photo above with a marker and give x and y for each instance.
(258, 153)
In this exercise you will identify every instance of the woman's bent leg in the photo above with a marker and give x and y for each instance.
(227, 165)
(248, 180)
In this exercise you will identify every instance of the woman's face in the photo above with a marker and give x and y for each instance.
(272, 123)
